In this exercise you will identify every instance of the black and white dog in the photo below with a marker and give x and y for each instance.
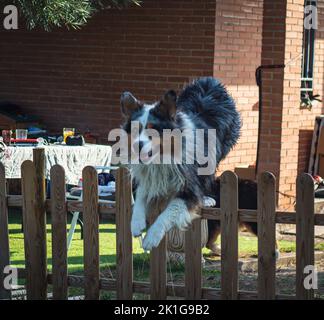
(203, 104)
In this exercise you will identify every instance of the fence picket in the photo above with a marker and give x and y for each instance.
(304, 233)
(266, 236)
(4, 234)
(124, 245)
(158, 271)
(59, 242)
(229, 235)
(91, 233)
(34, 234)
(193, 258)
(39, 162)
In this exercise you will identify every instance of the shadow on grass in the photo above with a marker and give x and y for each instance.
(139, 260)
(15, 217)
(77, 231)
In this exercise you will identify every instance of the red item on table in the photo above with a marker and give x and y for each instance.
(24, 140)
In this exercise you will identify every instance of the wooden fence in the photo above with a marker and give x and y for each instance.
(35, 207)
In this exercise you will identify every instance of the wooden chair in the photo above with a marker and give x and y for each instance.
(76, 214)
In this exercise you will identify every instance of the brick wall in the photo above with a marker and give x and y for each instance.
(238, 39)
(75, 78)
(273, 45)
(291, 112)
(286, 128)
(297, 124)
(286, 137)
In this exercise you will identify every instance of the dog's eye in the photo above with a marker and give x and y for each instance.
(150, 126)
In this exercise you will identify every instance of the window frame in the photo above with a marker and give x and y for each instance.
(308, 57)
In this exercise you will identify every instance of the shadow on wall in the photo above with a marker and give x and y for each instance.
(304, 148)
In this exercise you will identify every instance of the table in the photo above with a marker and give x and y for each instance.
(72, 158)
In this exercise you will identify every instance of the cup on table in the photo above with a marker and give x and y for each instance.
(21, 134)
(67, 132)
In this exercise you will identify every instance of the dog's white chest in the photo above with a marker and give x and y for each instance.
(158, 180)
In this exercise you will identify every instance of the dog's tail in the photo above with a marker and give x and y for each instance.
(207, 100)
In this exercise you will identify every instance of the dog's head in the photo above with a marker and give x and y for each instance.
(144, 123)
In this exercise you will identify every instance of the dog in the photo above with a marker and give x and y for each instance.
(204, 104)
(247, 199)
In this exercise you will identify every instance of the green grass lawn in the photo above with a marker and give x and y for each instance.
(247, 247)
(75, 254)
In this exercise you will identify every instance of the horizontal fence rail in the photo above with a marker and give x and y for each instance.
(34, 214)
(245, 215)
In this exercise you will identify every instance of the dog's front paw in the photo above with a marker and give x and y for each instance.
(153, 237)
(214, 248)
(138, 225)
(209, 202)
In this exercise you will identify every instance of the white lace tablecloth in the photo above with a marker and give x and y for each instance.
(72, 158)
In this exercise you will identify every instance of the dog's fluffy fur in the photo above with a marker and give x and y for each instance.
(203, 104)
(247, 199)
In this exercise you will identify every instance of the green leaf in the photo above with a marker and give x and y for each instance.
(48, 14)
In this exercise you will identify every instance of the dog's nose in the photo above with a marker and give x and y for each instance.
(138, 145)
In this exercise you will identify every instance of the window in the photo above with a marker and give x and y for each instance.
(308, 58)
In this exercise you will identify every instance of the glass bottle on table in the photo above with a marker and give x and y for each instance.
(67, 132)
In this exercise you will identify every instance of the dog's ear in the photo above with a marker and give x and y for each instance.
(128, 104)
(168, 104)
